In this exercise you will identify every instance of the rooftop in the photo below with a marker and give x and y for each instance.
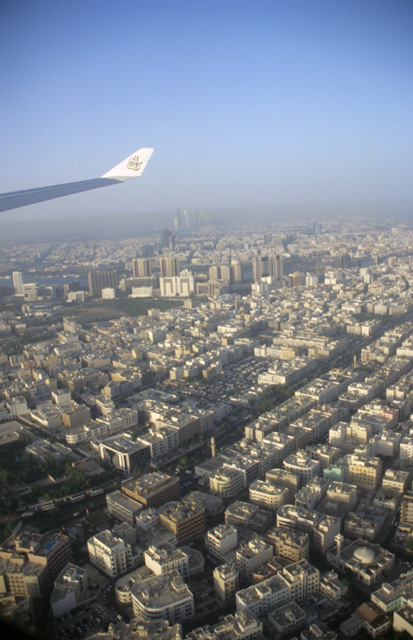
(162, 591)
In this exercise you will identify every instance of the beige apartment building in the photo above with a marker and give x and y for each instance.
(226, 580)
(364, 472)
(152, 489)
(185, 519)
(289, 543)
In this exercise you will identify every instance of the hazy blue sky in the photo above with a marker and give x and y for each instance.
(278, 103)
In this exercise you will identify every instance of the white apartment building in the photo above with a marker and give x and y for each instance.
(226, 578)
(395, 479)
(406, 448)
(268, 495)
(251, 555)
(161, 441)
(206, 418)
(386, 443)
(240, 626)
(321, 529)
(261, 598)
(287, 619)
(48, 416)
(122, 507)
(120, 420)
(324, 453)
(69, 586)
(297, 582)
(287, 371)
(304, 579)
(221, 539)
(182, 285)
(226, 482)
(247, 465)
(95, 430)
(164, 597)
(393, 595)
(311, 493)
(338, 433)
(342, 492)
(76, 436)
(17, 406)
(283, 443)
(303, 466)
(109, 553)
(323, 391)
(163, 557)
(284, 478)
(403, 618)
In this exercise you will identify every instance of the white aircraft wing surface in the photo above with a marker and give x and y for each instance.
(132, 167)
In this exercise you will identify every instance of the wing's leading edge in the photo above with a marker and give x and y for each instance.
(132, 167)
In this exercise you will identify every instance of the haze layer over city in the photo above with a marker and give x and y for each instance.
(206, 374)
(299, 108)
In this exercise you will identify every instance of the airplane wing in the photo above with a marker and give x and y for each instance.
(131, 167)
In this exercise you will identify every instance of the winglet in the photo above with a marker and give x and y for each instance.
(132, 167)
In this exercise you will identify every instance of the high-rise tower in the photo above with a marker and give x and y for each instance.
(264, 266)
(142, 268)
(102, 279)
(17, 282)
(169, 267)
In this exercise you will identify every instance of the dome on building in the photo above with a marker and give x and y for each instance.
(365, 555)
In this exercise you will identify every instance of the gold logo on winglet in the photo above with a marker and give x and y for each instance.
(134, 163)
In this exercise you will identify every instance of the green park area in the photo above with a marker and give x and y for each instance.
(102, 310)
(17, 467)
(62, 512)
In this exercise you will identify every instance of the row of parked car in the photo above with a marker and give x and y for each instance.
(82, 622)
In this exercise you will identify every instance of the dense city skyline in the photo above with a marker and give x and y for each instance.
(206, 433)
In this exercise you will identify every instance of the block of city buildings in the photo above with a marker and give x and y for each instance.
(152, 489)
(186, 519)
(367, 562)
(123, 507)
(69, 587)
(163, 597)
(288, 543)
(246, 514)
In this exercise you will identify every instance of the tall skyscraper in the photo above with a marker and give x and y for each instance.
(236, 271)
(276, 267)
(178, 220)
(264, 266)
(214, 273)
(142, 268)
(165, 238)
(18, 282)
(227, 273)
(257, 271)
(169, 267)
(101, 280)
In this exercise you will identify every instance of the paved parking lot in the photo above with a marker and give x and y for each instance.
(84, 621)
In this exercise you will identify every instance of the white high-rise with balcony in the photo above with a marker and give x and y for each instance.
(109, 553)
